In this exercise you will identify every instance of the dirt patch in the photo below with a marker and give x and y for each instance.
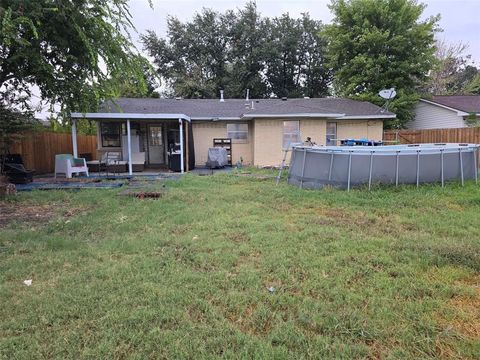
(31, 213)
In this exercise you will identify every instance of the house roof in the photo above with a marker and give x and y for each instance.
(465, 103)
(211, 109)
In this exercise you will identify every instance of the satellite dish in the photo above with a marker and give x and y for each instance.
(388, 94)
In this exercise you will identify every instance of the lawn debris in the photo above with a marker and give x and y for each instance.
(149, 194)
(271, 289)
(143, 194)
(25, 213)
(28, 282)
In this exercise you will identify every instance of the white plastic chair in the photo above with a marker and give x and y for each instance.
(68, 165)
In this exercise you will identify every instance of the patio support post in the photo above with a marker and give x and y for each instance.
(74, 138)
(129, 148)
(181, 145)
(187, 150)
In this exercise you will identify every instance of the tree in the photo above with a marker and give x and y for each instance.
(376, 44)
(245, 58)
(133, 87)
(295, 64)
(240, 50)
(194, 59)
(68, 49)
(451, 73)
(473, 87)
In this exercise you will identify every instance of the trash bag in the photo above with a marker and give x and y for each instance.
(217, 157)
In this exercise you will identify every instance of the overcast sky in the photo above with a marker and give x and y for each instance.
(460, 18)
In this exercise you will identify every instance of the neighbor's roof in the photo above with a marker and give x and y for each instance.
(208, 109)
(465, 103)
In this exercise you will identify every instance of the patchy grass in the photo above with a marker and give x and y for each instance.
(391, 273)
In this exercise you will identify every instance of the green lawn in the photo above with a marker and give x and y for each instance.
(389, 274)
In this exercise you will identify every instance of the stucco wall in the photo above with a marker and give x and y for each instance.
(428, 116)
(205, 132)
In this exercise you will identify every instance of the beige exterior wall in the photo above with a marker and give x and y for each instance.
(268, 135)
(357, 129)
(205, 132)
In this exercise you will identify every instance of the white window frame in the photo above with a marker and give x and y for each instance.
(332, 135)
(244, 131)
(291, 137)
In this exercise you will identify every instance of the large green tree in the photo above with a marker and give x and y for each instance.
(295, 57)
(68, 49)
(239, 50)
(376, 44)
(193, 61)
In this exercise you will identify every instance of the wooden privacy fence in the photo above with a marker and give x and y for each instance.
(38, 150)
(457, 135)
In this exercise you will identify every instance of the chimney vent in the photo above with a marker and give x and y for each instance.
(248, 94)
(221, 96)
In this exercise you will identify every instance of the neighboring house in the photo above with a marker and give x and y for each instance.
(259, 129)
(445, 111)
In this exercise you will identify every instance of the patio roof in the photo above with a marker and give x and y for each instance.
(131, 116)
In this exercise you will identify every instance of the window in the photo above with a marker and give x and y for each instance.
(237, 132)
(110, 133)
(331, 133)
(291, 133)
(156, 138)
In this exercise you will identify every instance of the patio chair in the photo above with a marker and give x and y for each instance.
(114, 162)
(68, 165)
(97, 165)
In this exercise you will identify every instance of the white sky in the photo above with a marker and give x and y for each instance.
(460, 18)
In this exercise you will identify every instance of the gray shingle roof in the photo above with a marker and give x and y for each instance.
(236, 108)
(466, 103)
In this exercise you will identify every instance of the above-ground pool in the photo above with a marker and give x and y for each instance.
(344, 166)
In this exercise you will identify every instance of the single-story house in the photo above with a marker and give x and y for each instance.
(445, 111)
(259, 129)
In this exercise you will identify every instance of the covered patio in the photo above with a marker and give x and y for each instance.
(163, 141)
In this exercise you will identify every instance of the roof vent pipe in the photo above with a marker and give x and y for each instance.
(221, 96)
(248, 94)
